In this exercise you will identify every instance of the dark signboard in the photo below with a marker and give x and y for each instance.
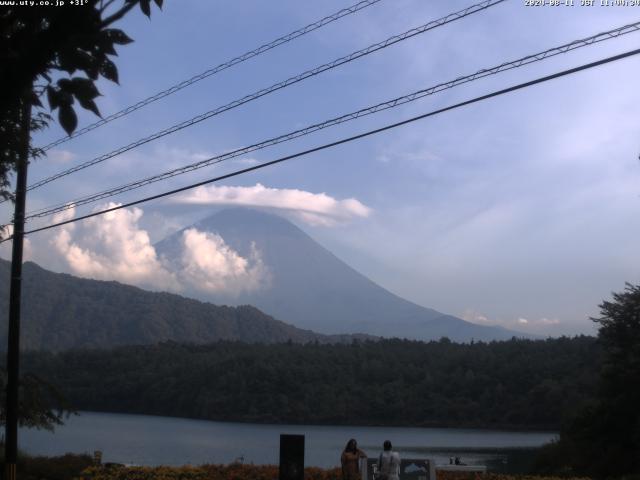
(291, 457)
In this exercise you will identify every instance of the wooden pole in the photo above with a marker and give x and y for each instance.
(15, 294)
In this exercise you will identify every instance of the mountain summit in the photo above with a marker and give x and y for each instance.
(305, 285)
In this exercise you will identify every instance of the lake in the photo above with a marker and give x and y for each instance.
(149, 440)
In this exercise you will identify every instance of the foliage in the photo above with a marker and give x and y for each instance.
(444, 475)
(262, 472)
(604, 438)
(519, 383)
(144, 473)
(203, 472)
(41, 51)
(81, 467)
(39, 43)
(65, 467)
(40, 404)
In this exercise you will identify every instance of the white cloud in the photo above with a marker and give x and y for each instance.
(211, 266)
(470, 315)
(61, 156)
(311, 208)
(246, 161)
(6, 247)
(549, 321)
(520, 323)
(112, 247)
(181, 156)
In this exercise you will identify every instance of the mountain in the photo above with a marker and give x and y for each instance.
(60, 311)
(311, 288)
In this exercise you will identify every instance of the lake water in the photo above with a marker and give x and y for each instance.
(149, 440)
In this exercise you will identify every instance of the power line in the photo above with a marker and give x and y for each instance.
(217, 69)
(277, 86)
(346, 140)
(614, 33)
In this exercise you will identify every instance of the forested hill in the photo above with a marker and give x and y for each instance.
(60, 311)
(518, 383)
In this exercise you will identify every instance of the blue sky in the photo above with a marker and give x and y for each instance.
(520, 211)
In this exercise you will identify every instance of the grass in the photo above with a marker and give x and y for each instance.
(81, 467)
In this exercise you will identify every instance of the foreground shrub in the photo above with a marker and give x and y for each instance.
(497, 476)
(66, 467)
(257, 472)
(203, 472)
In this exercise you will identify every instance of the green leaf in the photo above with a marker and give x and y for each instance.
(65, 85)
(53, 97)
(105, 45)
(117, 36)
(89, 105)
(66, 60)
(40, 121)
(145, 6)
(109, 71)
(84, 88)
(158, 3)
(67, 118)
(93, 72)
(64, 94)
(83, 60)
(64, 98)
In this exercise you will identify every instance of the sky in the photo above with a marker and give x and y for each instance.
(519, 211)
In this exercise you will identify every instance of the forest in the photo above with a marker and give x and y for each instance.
(513, 384)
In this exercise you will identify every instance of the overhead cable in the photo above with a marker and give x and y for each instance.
(536, 57)
(217, 69)
(342, 141)
(275, 87)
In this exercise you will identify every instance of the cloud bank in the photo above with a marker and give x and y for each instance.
(318, 209)
(519, 323)
(211, 266)
(114, 247)
(111, 247)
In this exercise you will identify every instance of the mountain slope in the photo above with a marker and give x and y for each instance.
(311, 288)
(60, 311)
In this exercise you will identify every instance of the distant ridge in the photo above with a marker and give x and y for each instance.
(60, 312)
(312, 289)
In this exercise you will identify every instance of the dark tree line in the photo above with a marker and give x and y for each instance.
(519, 383)
(603, 440)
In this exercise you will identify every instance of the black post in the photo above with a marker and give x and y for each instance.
(291, 457)
(13, 347)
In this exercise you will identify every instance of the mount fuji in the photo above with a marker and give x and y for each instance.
(305, 285)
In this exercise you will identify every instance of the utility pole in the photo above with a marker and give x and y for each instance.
(15, 294)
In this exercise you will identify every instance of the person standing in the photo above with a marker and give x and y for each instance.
(388, 463)
(350, 461)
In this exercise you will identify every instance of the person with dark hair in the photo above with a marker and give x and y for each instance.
(350, 460)
(388, 463)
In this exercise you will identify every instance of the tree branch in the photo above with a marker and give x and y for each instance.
(106, 5)
(118, 15)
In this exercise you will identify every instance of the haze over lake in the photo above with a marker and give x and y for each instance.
(149, 440)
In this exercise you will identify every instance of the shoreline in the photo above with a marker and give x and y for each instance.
(438, 426)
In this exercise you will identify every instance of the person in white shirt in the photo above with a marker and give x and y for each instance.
(388, 463)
